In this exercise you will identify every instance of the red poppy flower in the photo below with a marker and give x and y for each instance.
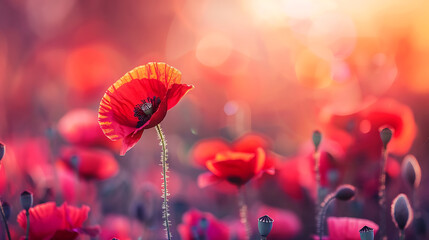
(80, 127)
(139, 100)
(345, 228)
(236, 163)
(297, 173)
(120, 227)
(197, 225)
(47, 222)
(90, 163)
(359, 132)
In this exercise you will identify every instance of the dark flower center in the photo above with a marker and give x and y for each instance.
(143, 111)
(235, 180)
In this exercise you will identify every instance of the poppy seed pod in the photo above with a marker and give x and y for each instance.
(366, 233)
(386, 136)
(411, 171)
(317, 138)
(402, 213)
(345, 192)
(2, 150)
(6, 210)
(26, 200)
(265, 224)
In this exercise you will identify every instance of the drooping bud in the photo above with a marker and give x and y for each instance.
(317, 138)
(6, 209)
(386, 136)
(366, 233)
(345, 192)
(265, 224)
(2, 151)
(26, 200)
(411, 171)
(402, 213)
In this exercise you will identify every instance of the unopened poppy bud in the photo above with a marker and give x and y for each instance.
(26, 200)
(402, 213)
(386, 136)
(2, 150)
(411, 171)
(345, 192)
(317, 138)
(366, 233)
(6, 210)
(265, 224)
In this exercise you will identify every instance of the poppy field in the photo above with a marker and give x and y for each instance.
(214, 120)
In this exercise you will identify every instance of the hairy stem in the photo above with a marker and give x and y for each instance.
(322, 214)
(165, 193)
(243, 212)
(317, 171)
(27, 233)
(382, 195)
(4, 220)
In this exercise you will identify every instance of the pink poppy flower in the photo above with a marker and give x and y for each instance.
(198, 224)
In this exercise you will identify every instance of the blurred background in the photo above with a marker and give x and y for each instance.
(276, 68)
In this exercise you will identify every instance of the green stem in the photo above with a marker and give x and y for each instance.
(317, 171)
(243, 212)
(27, 233)
(401, 235)
(382, 195)
(4, 220)
(165, 193)
(322, 214)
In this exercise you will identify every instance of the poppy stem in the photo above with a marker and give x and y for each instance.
(4, 220)
(382, 195)
(401, 235)
(27, 233)
(317, 171)
(165, 193)
(322, 214)
(243, 212)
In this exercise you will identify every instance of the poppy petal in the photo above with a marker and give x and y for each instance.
(207, 179)
(116, 113)
(250, 142)
(176, 92)
(260, 160)
(165, 73)
(129, 141)
(207, 149)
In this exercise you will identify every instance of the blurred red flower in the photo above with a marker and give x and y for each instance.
(359, 132)
(90, 163)
(236, 163)
(297, 173)
(80, 127)
(345, 228)
(286, 224)
(202, 225)
(120, 227)
(139, 100)
(47, 222)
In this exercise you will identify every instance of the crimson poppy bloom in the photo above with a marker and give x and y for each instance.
(236, 163)
(359, 132)
(90, 163)
(120, 227)
(47, 222)
(202, 225)
(80, 127)
(139, 100)
(346, 228)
